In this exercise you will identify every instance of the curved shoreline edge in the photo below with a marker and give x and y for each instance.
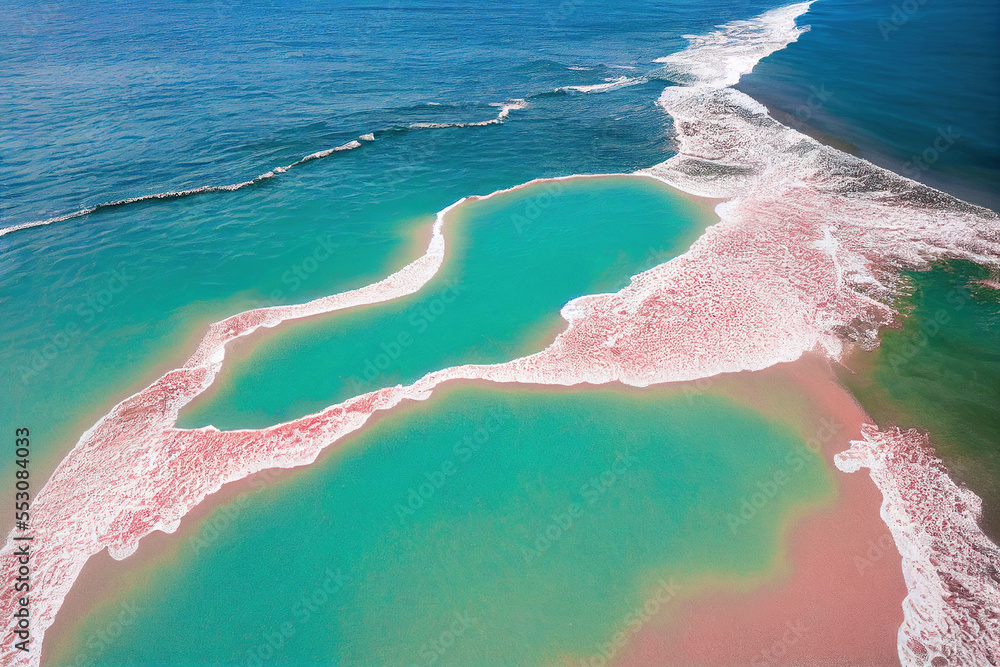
(806, 257)
(948, 613)
(83, 509)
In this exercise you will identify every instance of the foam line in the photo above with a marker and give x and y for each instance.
(185, 193)
(952, 612)
(806, 256)
(82, 510)
(503, 114)
(837, 231)
(133, 472)
(609, 84)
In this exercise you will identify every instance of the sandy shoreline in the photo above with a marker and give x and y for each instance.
(841, 603)
(737, 300)
(92, 588)
(849, 614)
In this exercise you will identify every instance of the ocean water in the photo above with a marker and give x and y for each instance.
(513, 261)
(923, 100)
(99, 113)
(911, 86)
(112, 101)
(532, 525)
(940, 371)
(915, 88)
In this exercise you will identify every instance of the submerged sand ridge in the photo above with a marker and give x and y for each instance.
(806, 258)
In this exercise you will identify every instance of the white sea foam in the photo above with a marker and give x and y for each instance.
(853, 227)
(806, 256)
(721, 57)
(609, 84)
(952, 612)
(177, 194)
(508, 106)
(330, 151)
(502, 115)
(873, 222)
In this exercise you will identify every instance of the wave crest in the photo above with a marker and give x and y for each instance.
(505, 109)
(718, 59)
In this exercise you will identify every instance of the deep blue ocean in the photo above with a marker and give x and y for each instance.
(104, 101)
(912, 86)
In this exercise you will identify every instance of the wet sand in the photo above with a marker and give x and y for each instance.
(841, 602)
(102, 575)
(834, 596)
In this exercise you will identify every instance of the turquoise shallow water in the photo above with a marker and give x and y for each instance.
(940, 371)
(513, 261)
(531, 525)
(112, 101)
(73, 347)
(274, 81)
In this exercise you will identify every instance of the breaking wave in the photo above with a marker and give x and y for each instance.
(609, 84)
(806, 256)
(950, 615)
(502, 115)
(838, 231)
(505, 109)
(177, 194)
